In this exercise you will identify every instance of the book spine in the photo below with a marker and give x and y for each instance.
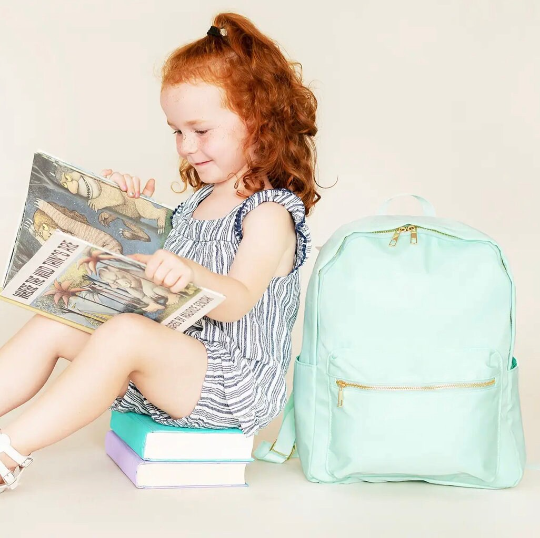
(129, 430)
(48, 315)
(14, 243)
(125, 458)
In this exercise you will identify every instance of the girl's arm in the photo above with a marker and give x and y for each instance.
(268, 232)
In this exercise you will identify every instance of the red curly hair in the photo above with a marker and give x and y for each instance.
(266, 91)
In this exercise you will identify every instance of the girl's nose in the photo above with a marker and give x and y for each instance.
(187, 144)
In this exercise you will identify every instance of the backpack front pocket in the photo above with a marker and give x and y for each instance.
(429, 415)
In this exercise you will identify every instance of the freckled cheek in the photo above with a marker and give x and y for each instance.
(208, 147)
(234, 141)
(217, 145)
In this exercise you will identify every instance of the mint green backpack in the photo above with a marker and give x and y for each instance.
(407, 369)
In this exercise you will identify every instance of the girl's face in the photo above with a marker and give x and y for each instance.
(208, 136)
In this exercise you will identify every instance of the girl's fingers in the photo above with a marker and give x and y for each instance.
(143, 258)
(152, 266)
(164, 274)
(172, 278)
(150, 187)
(130, 184)
(119, 180)
(136, 187)
(182, 282)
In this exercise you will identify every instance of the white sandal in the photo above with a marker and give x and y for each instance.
(11, 478)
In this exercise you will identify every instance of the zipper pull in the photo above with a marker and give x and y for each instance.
(340, 384)
(414, 235)
(394, 241)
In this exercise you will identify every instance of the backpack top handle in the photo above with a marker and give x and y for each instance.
(429, 210)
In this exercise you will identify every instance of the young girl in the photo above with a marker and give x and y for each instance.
(243, 124)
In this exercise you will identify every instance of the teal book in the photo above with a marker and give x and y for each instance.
(152, 441)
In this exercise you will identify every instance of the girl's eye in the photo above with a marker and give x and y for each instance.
(198, 132)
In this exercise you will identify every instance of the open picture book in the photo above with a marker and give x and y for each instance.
(69, 257)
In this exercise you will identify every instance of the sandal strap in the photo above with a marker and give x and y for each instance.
(5, 446)
(7, 476)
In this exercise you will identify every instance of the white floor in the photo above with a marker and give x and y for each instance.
(73, 489)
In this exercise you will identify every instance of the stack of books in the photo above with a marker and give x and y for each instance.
(153, 455)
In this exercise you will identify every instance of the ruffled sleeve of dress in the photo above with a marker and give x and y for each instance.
(296, 208)
(177, 214)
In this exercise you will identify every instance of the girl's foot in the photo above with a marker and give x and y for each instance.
(12, 469)
(9, 463)
(12, 464)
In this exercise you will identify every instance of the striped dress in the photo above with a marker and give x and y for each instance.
(244, 386)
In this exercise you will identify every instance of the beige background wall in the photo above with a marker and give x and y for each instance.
(435, 98)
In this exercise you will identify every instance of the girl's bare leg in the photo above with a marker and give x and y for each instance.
(167, 366)
(29, 357)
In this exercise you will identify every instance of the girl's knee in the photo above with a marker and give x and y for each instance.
(126, 329)
(129, 326)
(123, 336)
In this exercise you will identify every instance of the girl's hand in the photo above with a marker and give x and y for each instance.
(131, 184)
(167, 269)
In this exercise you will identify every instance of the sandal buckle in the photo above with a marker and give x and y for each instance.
(9, 479)
(27, 462)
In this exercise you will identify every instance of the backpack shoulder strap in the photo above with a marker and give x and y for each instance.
(283, 447)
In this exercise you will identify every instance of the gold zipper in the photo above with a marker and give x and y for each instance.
(397, 231)
(476, 385)
(414, 233)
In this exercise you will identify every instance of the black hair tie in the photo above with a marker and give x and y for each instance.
(214, 30)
